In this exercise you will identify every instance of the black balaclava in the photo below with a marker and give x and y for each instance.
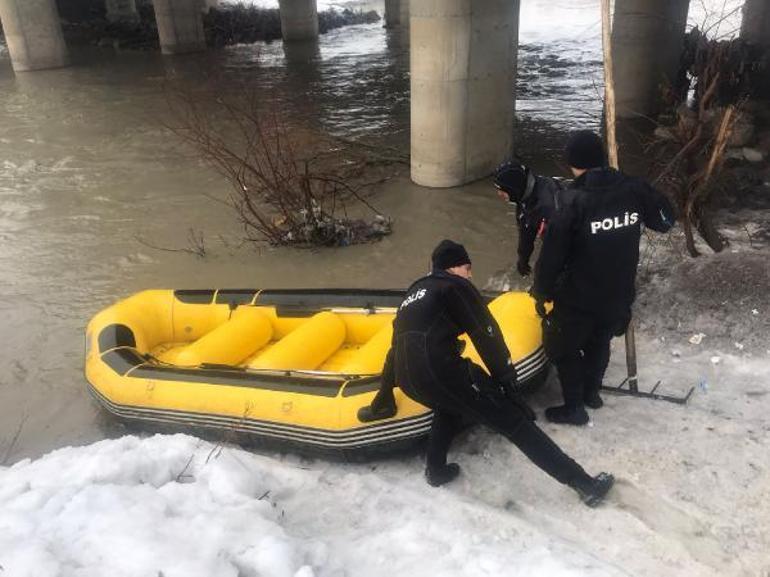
(449, 254)
(512, 179)
(585, 150)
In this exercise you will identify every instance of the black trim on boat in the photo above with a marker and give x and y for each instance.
(195, 296)
(362, 386)
(358, 438)
(114, 336)
(306, 300)
(303, 302)
(234, 296)
(292, 383)
(122, 360)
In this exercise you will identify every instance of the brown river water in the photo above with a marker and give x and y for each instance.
(89, 176)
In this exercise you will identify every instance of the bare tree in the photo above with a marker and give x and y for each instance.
(715, 82)
(281, 195)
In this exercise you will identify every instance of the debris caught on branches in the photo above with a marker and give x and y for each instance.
(287, 187)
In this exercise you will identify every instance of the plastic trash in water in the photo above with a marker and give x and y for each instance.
(697, 338)
(703, 385)
(716, 360)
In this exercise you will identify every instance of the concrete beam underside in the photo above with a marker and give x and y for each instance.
(299, 19)
(647, 41)
(463, 70)
(33, 34)
(180, 26)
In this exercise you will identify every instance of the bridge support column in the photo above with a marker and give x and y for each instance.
(396, 13)
(299, 19)
(180, 26)
(121, 11)
(33, 34)
(463, 67)
(647, 40)
(756, 30)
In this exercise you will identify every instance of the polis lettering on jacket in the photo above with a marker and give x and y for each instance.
(629, 219)
(413, 297)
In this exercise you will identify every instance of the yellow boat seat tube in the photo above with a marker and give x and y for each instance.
(306, 347)
(230, 343)
(368, 360)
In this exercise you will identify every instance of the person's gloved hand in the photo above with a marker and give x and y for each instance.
(523, 268)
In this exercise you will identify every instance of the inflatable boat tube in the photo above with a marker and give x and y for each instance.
(288, 365)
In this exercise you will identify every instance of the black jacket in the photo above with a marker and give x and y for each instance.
(542, 198)
(591, 247)
(426, 357)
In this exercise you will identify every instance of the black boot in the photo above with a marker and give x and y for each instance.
(369, 413)
(565, 414)
(593, 401)
(437, 476)
(593, 491)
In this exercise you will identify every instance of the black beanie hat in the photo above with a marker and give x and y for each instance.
(511, 178)
(585, 150)
(449, 254)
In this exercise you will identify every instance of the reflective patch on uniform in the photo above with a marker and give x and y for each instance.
(413, 297)
(607, 224)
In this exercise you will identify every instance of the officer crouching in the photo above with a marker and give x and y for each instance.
(425, 360)
(587, 267)
(536, 199)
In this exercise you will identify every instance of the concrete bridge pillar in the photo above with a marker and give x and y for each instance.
(180, 26)
(463, 67)
(299, 19)
(756, 30)
(121, 10)
(756, 22)
(33, 34)
(396, 13)
(647, 41)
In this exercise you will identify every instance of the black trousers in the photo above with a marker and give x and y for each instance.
(453, 409)
(578, 344)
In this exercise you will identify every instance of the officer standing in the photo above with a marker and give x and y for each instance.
(536, 199)
(425, 361)
(587, 267)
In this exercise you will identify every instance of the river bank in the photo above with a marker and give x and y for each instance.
(223, 26)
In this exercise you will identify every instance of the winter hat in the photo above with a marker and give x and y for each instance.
(585, 150)
(449, 254)
(511, 178)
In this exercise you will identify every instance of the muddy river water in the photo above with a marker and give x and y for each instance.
(89, 176)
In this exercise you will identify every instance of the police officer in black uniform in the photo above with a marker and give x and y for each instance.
(587, 267)
(536, 199)
(425, 360)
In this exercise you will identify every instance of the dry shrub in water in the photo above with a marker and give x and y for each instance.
(287, 187)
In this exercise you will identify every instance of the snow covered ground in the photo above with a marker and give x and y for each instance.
(692, 499)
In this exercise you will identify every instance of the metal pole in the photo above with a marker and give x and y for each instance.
(631, 357)
(612, 155)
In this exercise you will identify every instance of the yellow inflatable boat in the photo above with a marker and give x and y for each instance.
(289, 365)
